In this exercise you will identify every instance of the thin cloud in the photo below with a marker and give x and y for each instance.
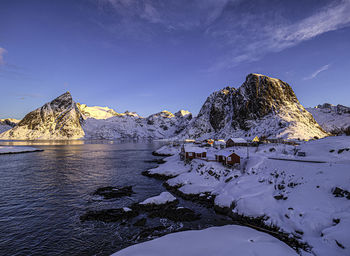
(314, 74)
(2, 53)
(243, 33)
(275, 37)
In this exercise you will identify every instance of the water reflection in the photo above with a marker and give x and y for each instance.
(44, 193)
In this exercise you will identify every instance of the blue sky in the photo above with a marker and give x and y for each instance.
(147, 56)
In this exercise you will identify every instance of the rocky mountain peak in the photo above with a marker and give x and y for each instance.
(183, 113)
(59, 118)
(260, 106)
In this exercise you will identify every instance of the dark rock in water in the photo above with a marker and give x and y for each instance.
(157, 176)
(154, 207)
(150, 232)
(114, 192)
(109, 215)
(224, 210)
(140, 222)
(175, 214)
(159, 154)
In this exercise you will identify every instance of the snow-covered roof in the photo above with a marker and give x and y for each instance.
(238, 140)
(224, 153)
(219, 142)
(194, 149)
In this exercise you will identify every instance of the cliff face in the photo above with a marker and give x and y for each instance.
(261, 106)
(58, 119)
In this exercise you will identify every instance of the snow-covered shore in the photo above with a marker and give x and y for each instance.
(224, 241)
(16, 150)
(296, 198)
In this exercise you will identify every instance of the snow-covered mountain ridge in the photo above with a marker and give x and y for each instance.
(63, 118)
(333, 119)
(261, 106)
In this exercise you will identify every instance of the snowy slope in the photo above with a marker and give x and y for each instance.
(221, 241)
(333, 119)
(296, 197)
(58, 119)
(131, 126)
(96, 112)
(262, 106)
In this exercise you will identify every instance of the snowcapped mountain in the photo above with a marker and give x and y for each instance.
(261, 106)
(333, 119)
(63, 118)
(131, 126)
(58, 119)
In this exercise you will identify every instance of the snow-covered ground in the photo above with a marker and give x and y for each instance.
(221, 241)
(296, 197)
(9, 149)
(163, 198)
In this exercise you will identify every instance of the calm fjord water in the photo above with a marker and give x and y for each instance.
(43, 194)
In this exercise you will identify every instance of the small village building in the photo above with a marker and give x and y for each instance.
(220, 144)
(227, 157)
(189, 152)
(231, 142)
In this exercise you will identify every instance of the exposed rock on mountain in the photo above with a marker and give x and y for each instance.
(261, 106)
(7, 124)
(58, 119)
(333, 119)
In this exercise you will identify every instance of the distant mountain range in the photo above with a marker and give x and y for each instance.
(333, 119)
(261, 106)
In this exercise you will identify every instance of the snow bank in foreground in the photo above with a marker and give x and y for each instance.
(223, 241)
(9, 150)
(163, 198)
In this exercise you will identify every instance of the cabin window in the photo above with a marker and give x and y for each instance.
(189, 154)
(229, 159)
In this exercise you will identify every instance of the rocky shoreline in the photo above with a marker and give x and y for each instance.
(208, 199)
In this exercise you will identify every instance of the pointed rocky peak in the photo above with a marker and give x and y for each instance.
(164, 114)
(183, 114)
(63, 101)
(58, 119)
(261, 105)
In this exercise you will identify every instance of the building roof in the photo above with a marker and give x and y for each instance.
(219, 142)
(224, 152)
(194, 149)
(238, 140)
